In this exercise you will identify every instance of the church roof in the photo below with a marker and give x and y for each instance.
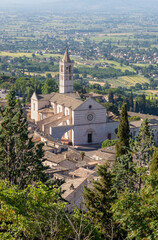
(66, 57)
(45, 97)
(68, 100)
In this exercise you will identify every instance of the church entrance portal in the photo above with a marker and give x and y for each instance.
(89, 137)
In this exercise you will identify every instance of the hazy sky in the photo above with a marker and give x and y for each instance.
(82, 4)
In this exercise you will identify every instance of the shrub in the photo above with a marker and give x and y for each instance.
(134, 118)
(108, 143)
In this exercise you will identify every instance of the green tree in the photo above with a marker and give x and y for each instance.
(49, 86)
(136, 107)
(21, 161)
(98, 201)
(131, 103)
(111, 97)
(143, 144)
(48, 75)
(137, 212)
(110, 107)
(33, 213)
(123, 134)
(154, 162)
(37, 212)
(77, 86)
(125, 173)
(21, 84)
(142, 149)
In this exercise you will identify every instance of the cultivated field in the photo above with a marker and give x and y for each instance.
(132, 80)
(124, 81)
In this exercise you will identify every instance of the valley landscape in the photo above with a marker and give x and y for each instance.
(78, 120)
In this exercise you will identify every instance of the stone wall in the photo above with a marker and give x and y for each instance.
(59, 131)
(89, 107)
(100, 132)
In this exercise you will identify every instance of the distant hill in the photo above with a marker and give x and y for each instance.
(82, 5)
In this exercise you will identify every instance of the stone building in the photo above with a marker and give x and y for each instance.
(65, 116)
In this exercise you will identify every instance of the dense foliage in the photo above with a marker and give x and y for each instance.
(21, 161)
(127, 192)
(37, 212)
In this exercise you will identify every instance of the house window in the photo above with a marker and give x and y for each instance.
(70, 78)
(90, 106)
(69, 69)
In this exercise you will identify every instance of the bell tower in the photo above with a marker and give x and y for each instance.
(66, 74)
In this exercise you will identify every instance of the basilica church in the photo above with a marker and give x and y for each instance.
(65, 116)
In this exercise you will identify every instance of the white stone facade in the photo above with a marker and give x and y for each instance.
(65, 115)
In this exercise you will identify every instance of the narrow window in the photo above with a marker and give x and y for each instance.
(34, 107)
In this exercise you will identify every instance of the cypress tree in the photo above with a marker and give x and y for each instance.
(143, 144)
(111, 97)
(126, 100)
(136, 107)
(98, 201)
(154, 163)
(125, 173)
(143, 105)
(131, 104)
(142, 149)
(20, 159)
(123, 134)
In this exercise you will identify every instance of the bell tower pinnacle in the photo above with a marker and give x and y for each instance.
(66, 74)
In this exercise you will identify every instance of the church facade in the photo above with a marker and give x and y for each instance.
(65, 116)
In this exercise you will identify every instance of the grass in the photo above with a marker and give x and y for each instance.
(96, 82)
(29, 55)
(117, 65)
(19, 54)
(113, 64)
(150, 94)
(42, 74)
